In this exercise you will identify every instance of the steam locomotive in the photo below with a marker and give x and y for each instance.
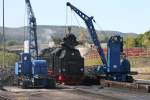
(65, 62)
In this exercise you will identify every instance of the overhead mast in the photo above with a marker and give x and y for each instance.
(3, 33)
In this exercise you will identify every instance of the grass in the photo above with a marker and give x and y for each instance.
(10, 58)
(138, 64)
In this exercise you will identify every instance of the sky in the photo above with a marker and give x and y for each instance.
(117, 15)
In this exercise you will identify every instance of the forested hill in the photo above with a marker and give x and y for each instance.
(44, 33)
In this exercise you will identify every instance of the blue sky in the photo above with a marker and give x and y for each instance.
(120, 15)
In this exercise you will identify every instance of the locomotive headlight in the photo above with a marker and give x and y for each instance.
(59, 70)
(73, 54)
(81, 69)
(32, 80)
(114, 78)
(63, 69)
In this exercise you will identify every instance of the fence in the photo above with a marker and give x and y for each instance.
(92, 57)
(137, 52)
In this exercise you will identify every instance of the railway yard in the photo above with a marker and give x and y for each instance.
(72, 93)
(72, 67)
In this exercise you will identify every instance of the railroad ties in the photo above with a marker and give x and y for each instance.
(135, 86)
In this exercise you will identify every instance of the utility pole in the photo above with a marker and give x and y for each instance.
(3, 33)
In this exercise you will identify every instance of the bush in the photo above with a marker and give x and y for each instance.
(10, 58)
(11, 43)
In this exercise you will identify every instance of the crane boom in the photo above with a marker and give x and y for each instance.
(89, 23)
(32, 36)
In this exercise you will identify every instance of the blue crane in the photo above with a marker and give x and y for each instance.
(115, 68)
(30, 71)
(89, 23)
(32, 35)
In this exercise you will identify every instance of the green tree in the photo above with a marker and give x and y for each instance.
(139, 40)
(10, 58)
(56, 40)
(11, 43)
(146, 39)
(129, 42)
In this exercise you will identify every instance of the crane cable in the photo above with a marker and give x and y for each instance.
(98, 61)
(99, 27)
(82, 33)
(66, 24)
(68, 20)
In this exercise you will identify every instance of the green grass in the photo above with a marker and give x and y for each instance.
(10, 58)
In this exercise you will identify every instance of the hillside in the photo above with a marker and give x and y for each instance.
(44, 33)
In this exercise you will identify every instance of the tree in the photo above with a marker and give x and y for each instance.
(146, 39)
(56, 40)
(139, 40)
(1, 38)
(129, 42)
(11, 43)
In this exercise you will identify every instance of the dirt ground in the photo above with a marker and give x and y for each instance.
(142, 66)
(72, 93)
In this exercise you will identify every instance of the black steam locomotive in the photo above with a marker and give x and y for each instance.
(65, 62)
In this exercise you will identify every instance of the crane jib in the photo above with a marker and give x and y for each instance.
(32, 34)
(89, 23)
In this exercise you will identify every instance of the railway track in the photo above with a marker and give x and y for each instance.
(91, 95)
(137, 85)
(113, 93)
(140, 81)
(64, 92)
(4, 98)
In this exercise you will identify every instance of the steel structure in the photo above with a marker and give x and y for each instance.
(32, 35)
(89, 23)
(115, 67)
(30, 71)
